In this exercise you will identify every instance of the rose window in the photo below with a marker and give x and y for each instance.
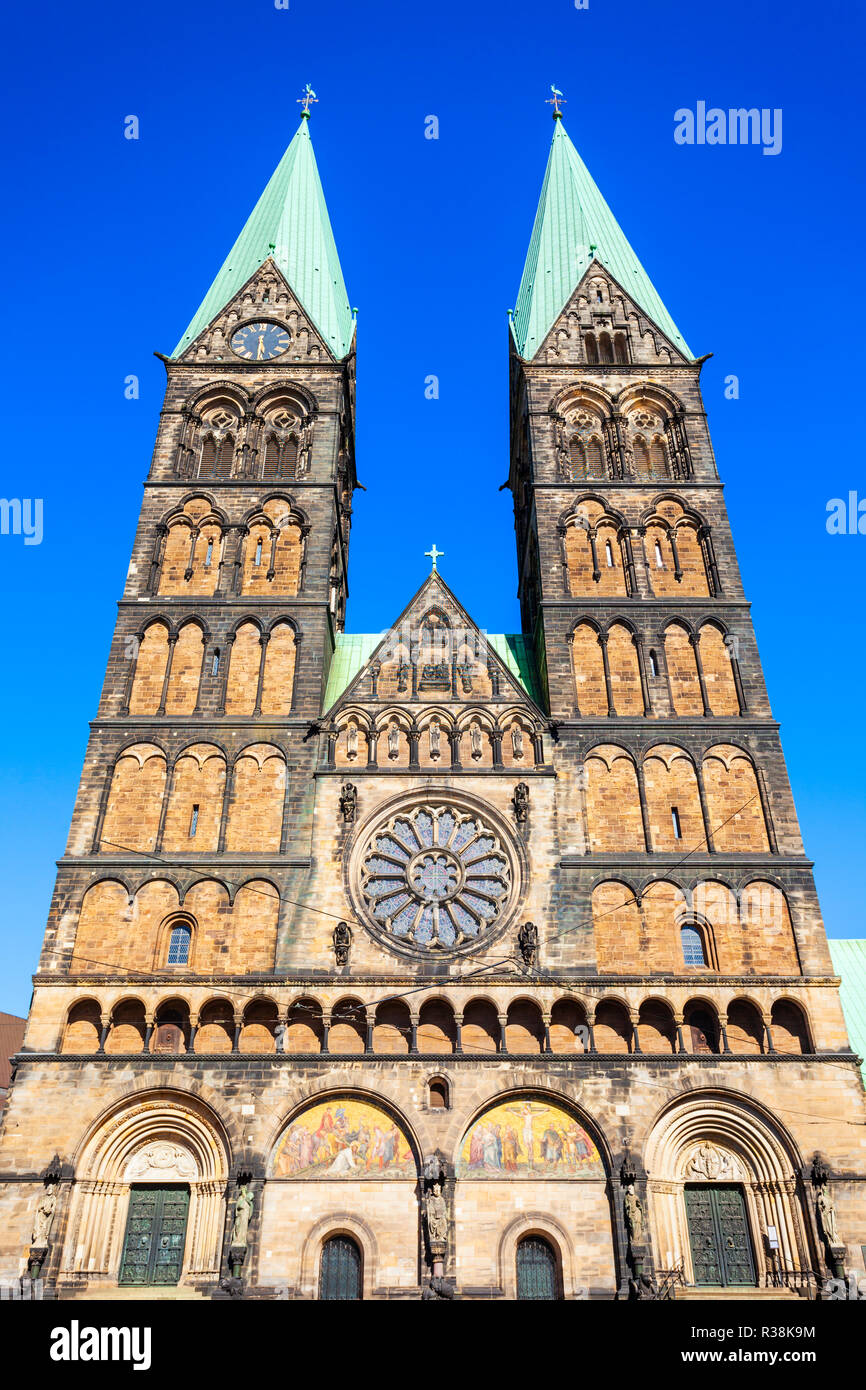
(435, 877)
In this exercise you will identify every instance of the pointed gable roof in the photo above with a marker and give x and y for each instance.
(573, 218)
(290, 223)
(355, 652)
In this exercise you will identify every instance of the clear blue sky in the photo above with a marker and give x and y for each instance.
(109, 245)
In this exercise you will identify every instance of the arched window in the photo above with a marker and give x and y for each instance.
(641, 458)
(537, 1275)
(179, 943)
(620, 347)
(594, 459)
(340, 1272)
(694, 951)
(281, 457)
(591, 347)
(605, 347)
(437, 1094)
(608, 554)
(653, 664)
(224, 457)
(577, 458)
(658, 461)
(272, 458)
(208, 456)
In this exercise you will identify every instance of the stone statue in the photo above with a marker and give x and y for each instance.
(520, 802)
(475, 741)
(44, 1215)
(393, 740)
(435, 733)
(243, 1211)
(352, 740)
(527, 940)
(436, 1288)
(633, 1213)
(280, 1037)
(827, 1216)
(517, 741)
(342, 939)
(437, 1215)
(348, 802)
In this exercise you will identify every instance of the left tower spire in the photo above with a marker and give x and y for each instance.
(290, 225)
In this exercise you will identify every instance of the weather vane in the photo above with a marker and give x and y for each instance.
(434, 555)
(309, 95)
(556, 101)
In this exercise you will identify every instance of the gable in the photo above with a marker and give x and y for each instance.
(598, 305)
(434, 653)
(267, 295)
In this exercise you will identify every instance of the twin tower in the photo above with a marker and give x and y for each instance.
(434, 963)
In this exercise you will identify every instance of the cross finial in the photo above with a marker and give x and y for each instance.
(556, 101)
(309, 96)
(434, 555)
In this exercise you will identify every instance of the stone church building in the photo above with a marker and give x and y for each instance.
(434, 963)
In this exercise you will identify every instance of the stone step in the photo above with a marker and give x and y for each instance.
(711, 1293)
(106, 1293)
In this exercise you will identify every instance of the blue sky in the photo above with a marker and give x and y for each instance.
(110, 245)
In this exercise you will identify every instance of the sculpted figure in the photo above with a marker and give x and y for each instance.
(342, 942)
(527, 940)
(352, 740)
(633, 1212)
(827, 1216)
(348, 801)
(44, 1215)
(243, 1211)
(435, 733)
(437, 1215)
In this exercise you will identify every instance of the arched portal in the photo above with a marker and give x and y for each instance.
(722, 1178)
(532, 1187)
(343, 1170)
(148, 1203)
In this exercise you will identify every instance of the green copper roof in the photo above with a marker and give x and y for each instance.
(515, 652)
(571, 220)
(354, 649)
(351, 654)
(289, 222)
(849, 961)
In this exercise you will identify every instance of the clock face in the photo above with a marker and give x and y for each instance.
(259, 342)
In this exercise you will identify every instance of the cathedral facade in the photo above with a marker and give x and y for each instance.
(434, 963)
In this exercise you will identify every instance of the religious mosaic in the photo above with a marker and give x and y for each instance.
(343, 1139)
(436, 877)
(530, 1139)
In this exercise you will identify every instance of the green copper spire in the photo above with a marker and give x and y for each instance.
(289, 222)
(573, 226)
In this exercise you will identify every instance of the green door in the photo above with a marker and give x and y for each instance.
(155, 1235)
(719, 1235)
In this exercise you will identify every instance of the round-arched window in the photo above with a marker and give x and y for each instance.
(537, 1274)
(340, 1271)
(693, 946)
(179, 943)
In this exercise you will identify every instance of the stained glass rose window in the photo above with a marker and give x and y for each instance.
(436, 877)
